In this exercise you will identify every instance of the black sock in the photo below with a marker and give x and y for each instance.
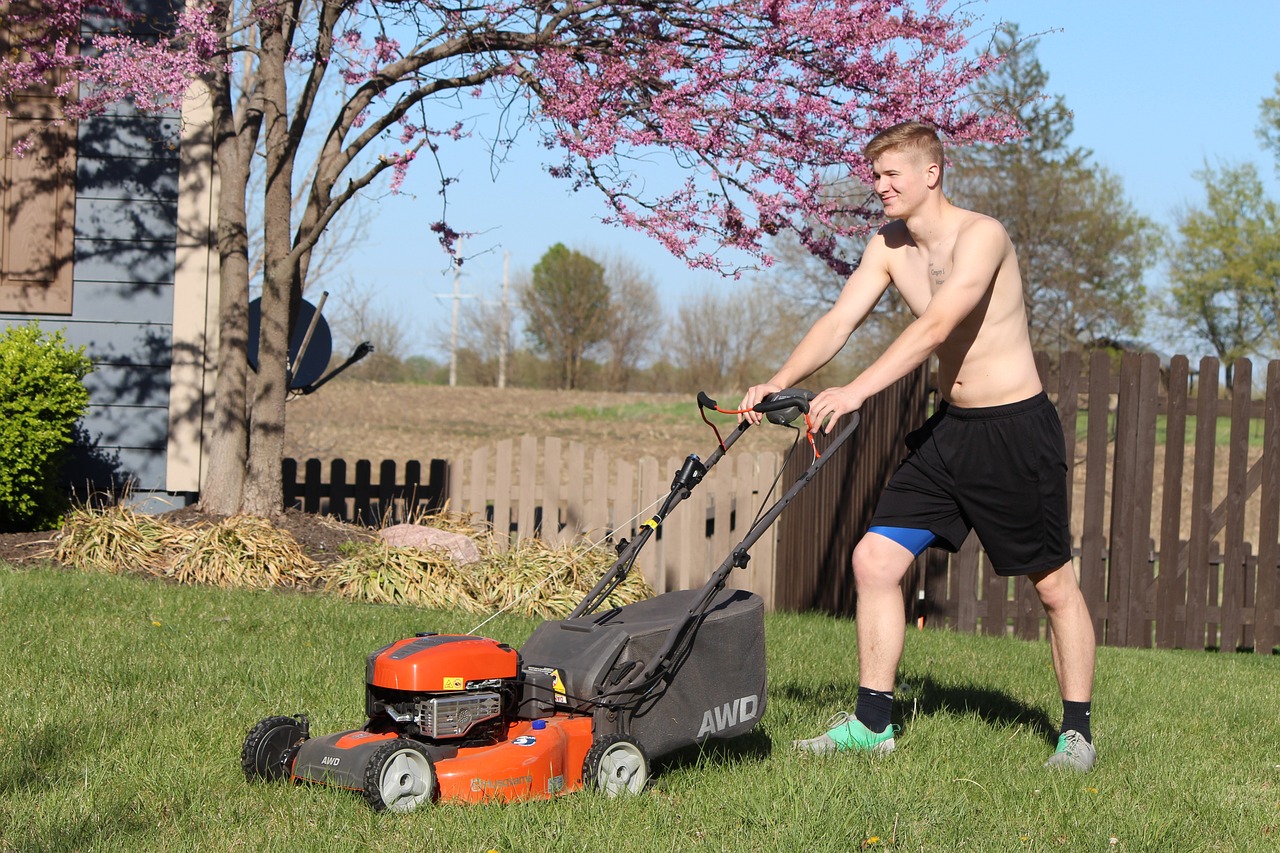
(1075, 715)
(874, 708)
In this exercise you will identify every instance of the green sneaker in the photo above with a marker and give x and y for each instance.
(1073, 753)
(847, 734)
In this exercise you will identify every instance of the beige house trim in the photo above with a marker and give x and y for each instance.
(195, 299)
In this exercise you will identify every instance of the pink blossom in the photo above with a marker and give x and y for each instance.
(759, 108)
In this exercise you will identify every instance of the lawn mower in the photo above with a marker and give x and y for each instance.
(588, 701)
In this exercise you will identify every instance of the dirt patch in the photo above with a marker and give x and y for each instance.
(354, 421)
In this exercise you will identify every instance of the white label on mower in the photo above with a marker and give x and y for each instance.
(728, 715)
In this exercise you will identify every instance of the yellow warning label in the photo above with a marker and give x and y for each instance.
(455, 683)
(558, 685)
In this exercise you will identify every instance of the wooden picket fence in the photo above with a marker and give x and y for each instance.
(552, 489)
(361, 499)
(1170, 551)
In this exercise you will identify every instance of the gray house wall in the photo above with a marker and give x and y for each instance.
(126, 230)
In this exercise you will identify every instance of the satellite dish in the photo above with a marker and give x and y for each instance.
(319, 348)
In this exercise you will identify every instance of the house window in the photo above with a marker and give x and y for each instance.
(37, 200)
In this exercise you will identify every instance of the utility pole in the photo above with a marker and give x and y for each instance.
(453, 334)
(457, 297)
(502, 333)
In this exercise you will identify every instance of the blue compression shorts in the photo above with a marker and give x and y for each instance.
(913, 539)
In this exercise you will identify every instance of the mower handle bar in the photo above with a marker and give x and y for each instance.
(779, 401)
(781, 408)
(644, 681)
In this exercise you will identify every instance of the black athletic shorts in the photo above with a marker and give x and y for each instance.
(1000, 471)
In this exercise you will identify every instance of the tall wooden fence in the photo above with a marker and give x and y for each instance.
(816, 534)
(1176, 510)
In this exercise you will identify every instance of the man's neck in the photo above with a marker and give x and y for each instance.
(930, 223)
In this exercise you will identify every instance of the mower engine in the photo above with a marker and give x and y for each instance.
(443, 687)
(430, 698)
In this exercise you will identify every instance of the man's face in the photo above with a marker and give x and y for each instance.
(901, 181)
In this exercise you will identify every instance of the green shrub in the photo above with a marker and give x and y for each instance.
(41, 398)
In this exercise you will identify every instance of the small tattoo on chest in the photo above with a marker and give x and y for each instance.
(937, 274)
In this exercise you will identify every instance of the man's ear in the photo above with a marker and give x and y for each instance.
(933, 175)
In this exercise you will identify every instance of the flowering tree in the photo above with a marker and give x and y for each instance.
(760, 107)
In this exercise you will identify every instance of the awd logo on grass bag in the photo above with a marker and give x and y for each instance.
(726, 716)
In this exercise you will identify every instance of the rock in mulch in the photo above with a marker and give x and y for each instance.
(461, 549)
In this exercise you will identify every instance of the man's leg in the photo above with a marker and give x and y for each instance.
(879, 564)
(1072, 645)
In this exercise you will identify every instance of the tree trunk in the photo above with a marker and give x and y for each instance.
(263, 495)
(223, 489)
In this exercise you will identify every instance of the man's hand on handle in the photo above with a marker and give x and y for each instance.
(755, 394)
(832, 404)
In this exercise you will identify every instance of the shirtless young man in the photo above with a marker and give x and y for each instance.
(991, 458)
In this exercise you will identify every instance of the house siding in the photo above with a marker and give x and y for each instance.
(126, 231)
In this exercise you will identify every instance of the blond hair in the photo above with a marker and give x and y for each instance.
(911, 137)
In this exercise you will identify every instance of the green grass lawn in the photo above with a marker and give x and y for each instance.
(126, 701)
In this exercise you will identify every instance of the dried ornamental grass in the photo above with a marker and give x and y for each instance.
(531, 580)
(242, 551)
(535, 579)
(383, 574)
(115, 540)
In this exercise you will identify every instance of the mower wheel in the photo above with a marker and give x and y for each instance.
(616, 764)
(269, 746)
(399, 777)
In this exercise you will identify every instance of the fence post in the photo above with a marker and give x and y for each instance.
(1233, 560)
(528, 491)
(1201, 503)
(575, 518)
(1093, 545)
(1171, 579)
(338, 489)
(1266, 619)
(551, 462)
(386, 493)
(1132, 483)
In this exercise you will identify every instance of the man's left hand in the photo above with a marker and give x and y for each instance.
(832, 404)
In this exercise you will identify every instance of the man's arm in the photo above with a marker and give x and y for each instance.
(861, 291)
(976, 259)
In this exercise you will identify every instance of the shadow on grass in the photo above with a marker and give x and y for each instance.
(751, 748)
(37, 760)
(928, 697)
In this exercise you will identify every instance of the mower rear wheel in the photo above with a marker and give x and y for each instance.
(268, 746)
(616, 764)
(399, 777)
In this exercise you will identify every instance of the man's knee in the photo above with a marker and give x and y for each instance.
(1057, 588)
(879, 561)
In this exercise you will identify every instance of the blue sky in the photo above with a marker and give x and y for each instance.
(1158, 88)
